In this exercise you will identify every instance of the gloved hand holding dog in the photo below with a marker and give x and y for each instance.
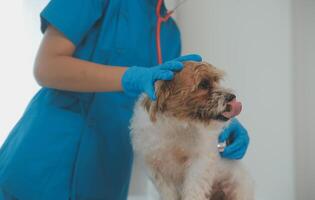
(239, 138)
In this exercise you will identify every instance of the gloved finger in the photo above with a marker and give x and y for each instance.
(234, 124)
(150, 91)
(238, 153)
(172, 65)
(189, 57)
(225, 134)
(236, 146)
(233, 156)
(234, 127)
(163, 75)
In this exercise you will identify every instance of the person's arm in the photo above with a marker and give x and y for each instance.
(55, 67)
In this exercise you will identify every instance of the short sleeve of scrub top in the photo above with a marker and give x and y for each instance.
(73, 18)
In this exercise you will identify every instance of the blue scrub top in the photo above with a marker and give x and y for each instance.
(70, 145)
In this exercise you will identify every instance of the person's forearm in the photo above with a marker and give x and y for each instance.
(72, 74)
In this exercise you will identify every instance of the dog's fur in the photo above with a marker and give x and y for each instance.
(177, 135)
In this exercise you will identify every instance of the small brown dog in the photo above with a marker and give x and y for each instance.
(177, 136)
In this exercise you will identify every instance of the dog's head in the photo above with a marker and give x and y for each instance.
(194, 94)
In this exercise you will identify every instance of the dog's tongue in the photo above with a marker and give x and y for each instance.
(236, 108)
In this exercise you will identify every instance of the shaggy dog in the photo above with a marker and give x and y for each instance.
(177, 137)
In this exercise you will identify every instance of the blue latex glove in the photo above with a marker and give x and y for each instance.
(141, 79)
(240, 140)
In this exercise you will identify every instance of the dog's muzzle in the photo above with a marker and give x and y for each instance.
(233, 108)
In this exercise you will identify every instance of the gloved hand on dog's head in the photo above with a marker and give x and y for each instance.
(141, 79)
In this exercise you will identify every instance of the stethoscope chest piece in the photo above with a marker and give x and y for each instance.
(221, 146)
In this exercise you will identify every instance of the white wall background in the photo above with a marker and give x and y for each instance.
(19, 40)
(252, 41)
(304, 70)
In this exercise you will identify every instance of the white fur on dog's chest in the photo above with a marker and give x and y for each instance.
(168, 132)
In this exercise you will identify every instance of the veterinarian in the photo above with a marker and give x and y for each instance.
(95, 58)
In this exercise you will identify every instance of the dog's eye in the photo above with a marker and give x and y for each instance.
(216, 79)
(204, 84)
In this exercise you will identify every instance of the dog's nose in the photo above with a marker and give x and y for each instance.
(230, 97)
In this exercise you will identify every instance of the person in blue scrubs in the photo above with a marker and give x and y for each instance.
(73, 141)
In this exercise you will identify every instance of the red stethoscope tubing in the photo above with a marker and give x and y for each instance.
(160, 20)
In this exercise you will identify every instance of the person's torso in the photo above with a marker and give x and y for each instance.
(80, 142)
(125, 36)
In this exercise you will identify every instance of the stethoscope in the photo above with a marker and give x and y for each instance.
(160, 20)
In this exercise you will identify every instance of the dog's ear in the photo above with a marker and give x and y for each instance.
(162, 91)
(216, 73)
